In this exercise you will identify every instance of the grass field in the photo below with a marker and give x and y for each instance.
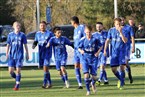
(32, 81)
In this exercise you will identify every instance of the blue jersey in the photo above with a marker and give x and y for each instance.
(42, 39)
(129, 33)
(90, 47)
(102, 38)
(117, 44)
(59, 46)
(78, 34)
(16, 42)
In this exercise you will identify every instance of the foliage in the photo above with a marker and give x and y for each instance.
(89, 11)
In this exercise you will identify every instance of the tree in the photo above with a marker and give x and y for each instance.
(6, 12)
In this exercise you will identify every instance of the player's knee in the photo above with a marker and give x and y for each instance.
(60, 72)
(86, 75)
(102, 67)
(114, 70)
(63, 70)
(122, 67)
(45, 69)
(77, 65)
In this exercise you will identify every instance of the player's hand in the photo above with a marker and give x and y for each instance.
(82, 51)
(119, 29)
(27, 56)
(96, 54)
(133, 50)
(105, 54)
(47, 45)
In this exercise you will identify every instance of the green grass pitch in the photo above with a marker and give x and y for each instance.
(32, 80)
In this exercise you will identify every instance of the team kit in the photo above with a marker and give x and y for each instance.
(91, 50)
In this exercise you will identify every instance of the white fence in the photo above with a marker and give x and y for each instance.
(137, 57)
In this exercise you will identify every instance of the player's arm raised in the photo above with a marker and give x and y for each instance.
(124, 39)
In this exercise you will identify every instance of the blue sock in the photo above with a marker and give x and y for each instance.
(101, 75)
(87, 82)
(49, 78)
(117, 75)
(45, 78)
(78, 75)
(17, 85)
(62, 78)
(18, 79)
(13, 75)
(122, 74)
(93, 81)
(105, 76)
(65, 77)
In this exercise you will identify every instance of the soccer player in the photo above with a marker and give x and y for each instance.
(101, 35)
(41, 38)
(130, 36)
(78, 34)
(15, 53)
(90, 48)
(60, 54)
(117, 51)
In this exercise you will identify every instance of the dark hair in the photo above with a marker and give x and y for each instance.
(117, 19)
(56, 29)
(43, 22)
(75, 19)
(89, 27)
(99, 23)
(121, 17)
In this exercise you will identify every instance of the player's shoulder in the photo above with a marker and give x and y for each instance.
(64, 37)
(95, 34)
(22, 33)
(11, 33)
(127, 26)
(50, 33)
(81, 27)
(112, 29)
(53, 37)
(38, 32)
(105, 31)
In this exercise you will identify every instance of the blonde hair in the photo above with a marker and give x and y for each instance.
(16, 22)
